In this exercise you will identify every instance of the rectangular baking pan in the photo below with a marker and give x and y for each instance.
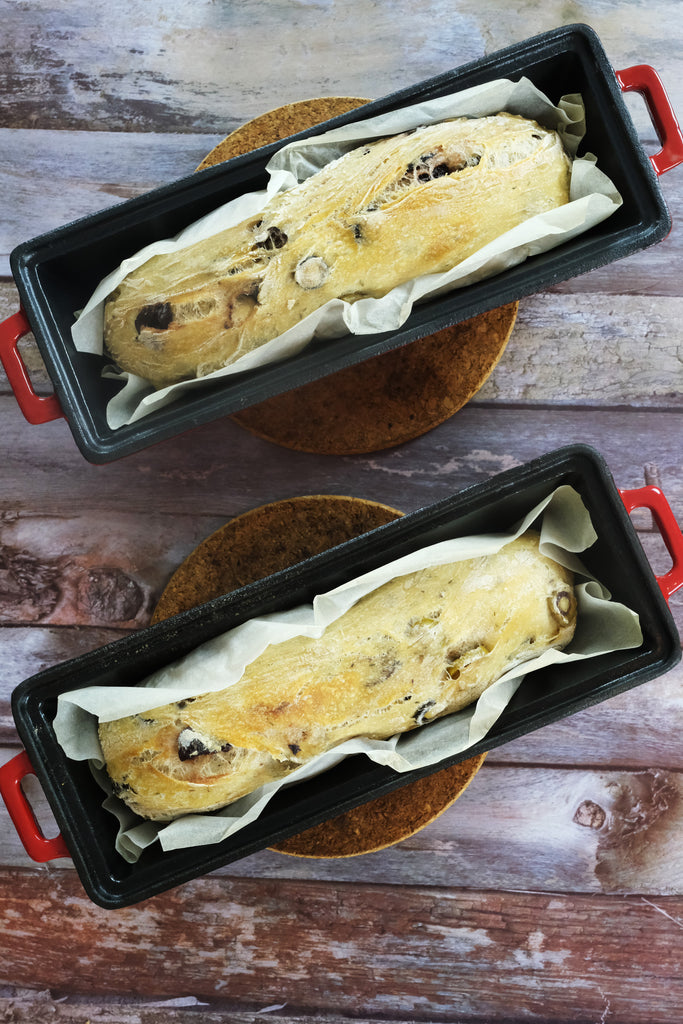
(617, 559)
(55, 273)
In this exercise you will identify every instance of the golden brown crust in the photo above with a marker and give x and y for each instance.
(396, 209)
(417, 648)
(272, 537)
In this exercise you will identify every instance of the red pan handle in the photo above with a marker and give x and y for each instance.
(644, 79)
(653, 499)
(36, 845)
(36, 408)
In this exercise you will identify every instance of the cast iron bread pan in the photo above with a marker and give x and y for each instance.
(617, 559)
(56, 272)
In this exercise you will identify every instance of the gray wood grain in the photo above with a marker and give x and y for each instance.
(471, 954)
(209, 470)
(26, 1006)
(552, 889)
(565, 349)
(54, 177)
(144, 66)
(539, 829)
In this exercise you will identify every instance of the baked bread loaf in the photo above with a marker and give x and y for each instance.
(418, 647)
(411, 204)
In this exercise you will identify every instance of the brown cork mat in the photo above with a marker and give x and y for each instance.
(388, 399)
(271, 538)
(278, 124)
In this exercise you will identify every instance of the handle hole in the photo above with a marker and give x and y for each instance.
(642, 120)
(40, 808)
(643, 521)
(35, 366)
(653, 543)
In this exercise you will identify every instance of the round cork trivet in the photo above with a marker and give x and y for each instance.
(259, 543)
(265, 540)
(278, 124)
(388, 399)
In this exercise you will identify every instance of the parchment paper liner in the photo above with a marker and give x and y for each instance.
(593, 198)
(602, 626)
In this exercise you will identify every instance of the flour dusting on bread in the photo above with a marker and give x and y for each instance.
(417, 648)
(384, 213)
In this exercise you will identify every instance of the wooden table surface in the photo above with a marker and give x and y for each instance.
(515, 904)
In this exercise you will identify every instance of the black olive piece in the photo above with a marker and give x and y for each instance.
(183, 703)
(419, 715)
(191, 745)
(158, 316)
(122, 787)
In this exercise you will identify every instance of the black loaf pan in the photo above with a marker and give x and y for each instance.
(617, 559)
(56, 272)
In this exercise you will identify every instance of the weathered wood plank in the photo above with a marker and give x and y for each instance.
(518, 828)
(636, 729)
(78, 571)
(55, 177)
(59, 570)
(28, 1006)
(592, 350)
(101, 85)
(533, 829)
(208, 469)
(204, 472)
(361, 950)
(565, 349)
(137, 67)
(146, 75)
(26, 652)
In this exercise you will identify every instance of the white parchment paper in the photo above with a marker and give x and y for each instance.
(593, 198)
(602, 626)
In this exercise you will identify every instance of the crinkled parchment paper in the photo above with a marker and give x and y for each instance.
(602, 626)
(593, 198)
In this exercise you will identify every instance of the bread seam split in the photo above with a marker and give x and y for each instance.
(416, 648)
(386, 212)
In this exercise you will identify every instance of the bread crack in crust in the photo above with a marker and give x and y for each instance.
(418, 647)
(386, 212)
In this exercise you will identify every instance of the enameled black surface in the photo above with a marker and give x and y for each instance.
(55, 273)
(617, 559)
